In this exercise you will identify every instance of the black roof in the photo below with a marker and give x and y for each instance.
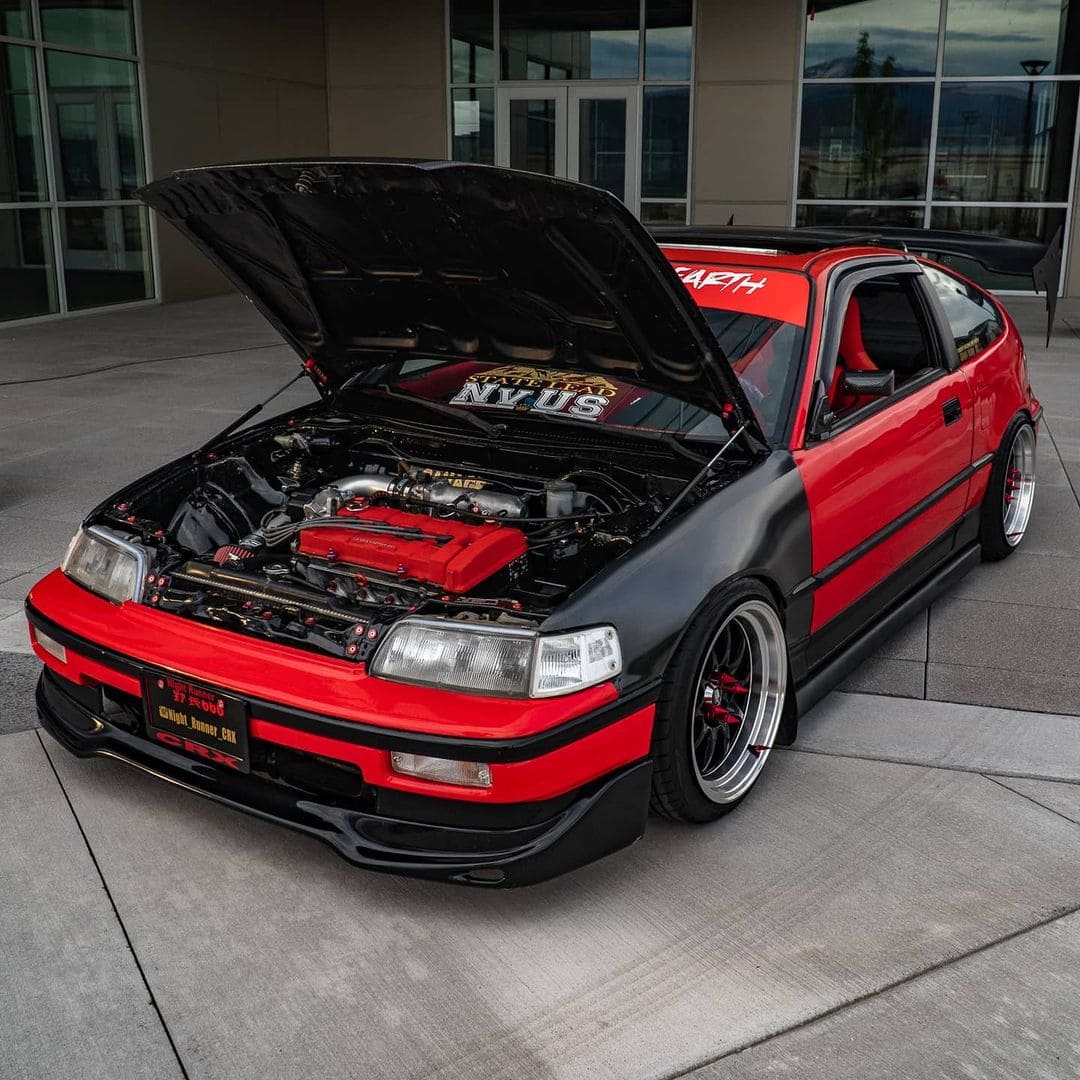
(996, 253)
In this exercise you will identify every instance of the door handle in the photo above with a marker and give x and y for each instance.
(952, 411)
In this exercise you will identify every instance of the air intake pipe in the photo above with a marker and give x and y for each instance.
(419, 488)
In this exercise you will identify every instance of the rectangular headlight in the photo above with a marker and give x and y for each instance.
(105, 563)
(497, 660)
(439, 652)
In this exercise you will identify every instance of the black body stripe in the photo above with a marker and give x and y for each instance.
(491, 750)
(827, 573)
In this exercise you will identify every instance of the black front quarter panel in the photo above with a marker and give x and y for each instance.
(756, 527)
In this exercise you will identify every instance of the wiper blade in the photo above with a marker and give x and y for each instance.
(492, 431)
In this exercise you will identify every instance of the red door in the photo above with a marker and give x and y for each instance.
(890, 480)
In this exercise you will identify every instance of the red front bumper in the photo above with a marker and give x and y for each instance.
(537, 750)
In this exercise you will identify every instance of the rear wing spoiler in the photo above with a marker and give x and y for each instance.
(996, 254)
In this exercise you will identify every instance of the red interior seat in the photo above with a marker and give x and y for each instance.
(851, 356)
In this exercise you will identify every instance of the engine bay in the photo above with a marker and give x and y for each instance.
(321, 531)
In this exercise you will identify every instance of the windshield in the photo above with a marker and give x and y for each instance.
(759, 325)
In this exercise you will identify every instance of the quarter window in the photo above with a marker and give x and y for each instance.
(973, 319)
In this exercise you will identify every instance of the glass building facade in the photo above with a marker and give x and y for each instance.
(71, 156)
(944, 114)
(599, 93)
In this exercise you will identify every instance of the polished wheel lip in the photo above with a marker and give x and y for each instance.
(1018, 488)
(763, 676)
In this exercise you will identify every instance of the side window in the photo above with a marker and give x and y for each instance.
(974, 320)
(884, 330)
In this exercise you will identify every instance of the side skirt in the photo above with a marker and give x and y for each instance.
(822, 680)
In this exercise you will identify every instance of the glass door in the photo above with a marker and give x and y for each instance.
(584, 133)
(602, 134)
(532, 129)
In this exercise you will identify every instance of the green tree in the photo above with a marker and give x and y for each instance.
(877, 117)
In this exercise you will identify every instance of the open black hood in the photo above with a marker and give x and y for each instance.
(358, 261)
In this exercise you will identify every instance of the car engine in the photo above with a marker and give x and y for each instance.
(322, 533)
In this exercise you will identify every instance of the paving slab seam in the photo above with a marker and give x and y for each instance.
(912, 764)
(926, 656)
(138, 363)
(116, 912)
(1061, 460)
(1026, 602)
(1031, 799)
(913, 977)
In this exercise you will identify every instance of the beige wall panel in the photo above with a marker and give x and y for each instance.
(396, 44)
(743, 143)
(247, 114)
(390, 121)
(386, 74)
(303, 124)
(255, 37)
(227, 81)
(718, 213)
(755, 41)
(183, 108)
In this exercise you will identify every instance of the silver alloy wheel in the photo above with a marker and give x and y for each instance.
(1018, 492)
(739, 699)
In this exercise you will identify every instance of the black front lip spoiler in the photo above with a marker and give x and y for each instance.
(605, 816)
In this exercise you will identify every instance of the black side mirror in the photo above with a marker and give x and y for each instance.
(868, 383)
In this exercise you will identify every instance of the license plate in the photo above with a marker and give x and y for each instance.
(197, 720)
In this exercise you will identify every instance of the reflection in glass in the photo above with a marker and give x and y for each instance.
(668, 39)
(27, 275)
(865, 141)
(602, 144)
(15, 20)
(872, 38)
(665, 141)
(1005, 142)
(106, 255)
(532, 134)
(857, 217)
(96, 125)
(474, 126)
(1025, 223)
(562, 40)
(472, 37)
(663, 213)
(103, 25)
(22, 164)
(996, 37)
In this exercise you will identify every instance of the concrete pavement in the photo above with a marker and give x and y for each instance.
(899, 897)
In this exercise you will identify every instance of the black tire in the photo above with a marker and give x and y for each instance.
(996, 540)
(679, 788)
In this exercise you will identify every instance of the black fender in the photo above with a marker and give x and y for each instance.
(758, 526)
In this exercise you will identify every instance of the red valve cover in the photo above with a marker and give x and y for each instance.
(472, 555)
